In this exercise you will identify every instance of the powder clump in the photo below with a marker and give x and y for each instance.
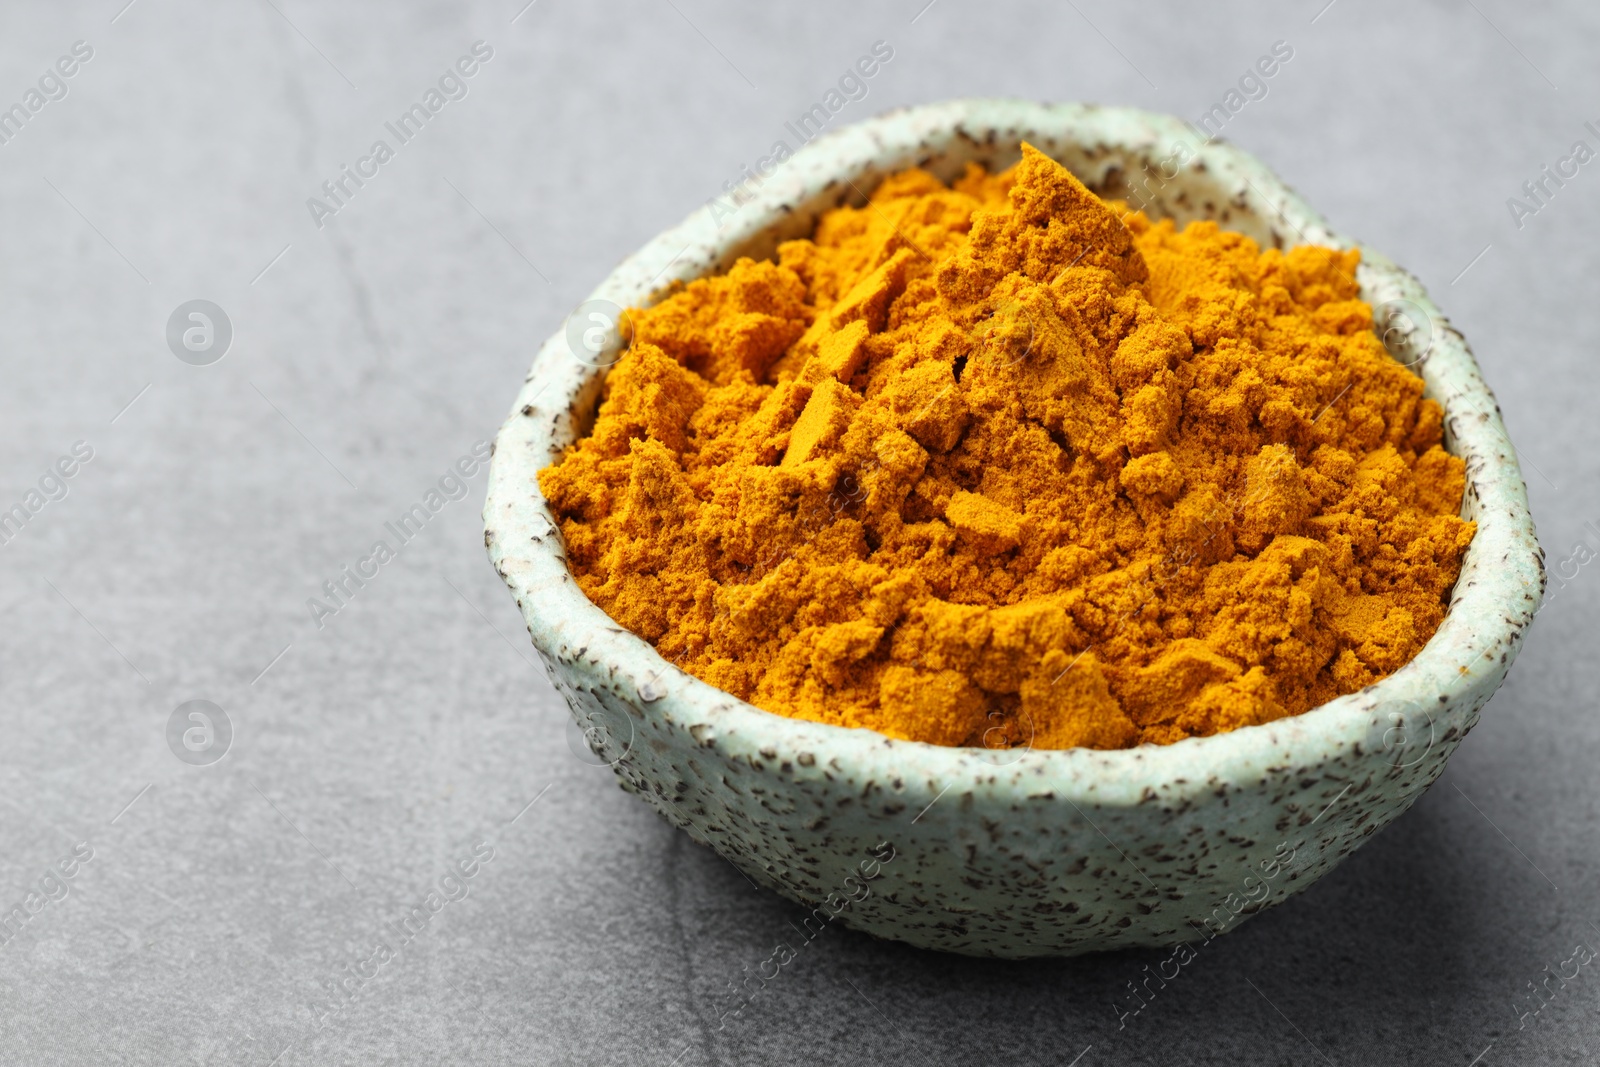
(996, 463)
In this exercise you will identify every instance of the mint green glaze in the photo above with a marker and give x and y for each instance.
(1040, 852)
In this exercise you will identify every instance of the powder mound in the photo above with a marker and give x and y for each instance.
(998, 463)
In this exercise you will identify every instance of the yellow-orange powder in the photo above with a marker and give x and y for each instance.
(986, 464)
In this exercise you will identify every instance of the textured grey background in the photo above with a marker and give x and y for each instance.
(378, 750)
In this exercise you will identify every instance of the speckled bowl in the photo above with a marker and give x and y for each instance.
(1020, 853)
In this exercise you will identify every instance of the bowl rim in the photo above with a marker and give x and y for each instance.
(1440, 690)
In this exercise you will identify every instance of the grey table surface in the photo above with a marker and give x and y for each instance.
(213, 907)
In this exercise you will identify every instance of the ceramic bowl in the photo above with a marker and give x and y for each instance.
(1019, 853)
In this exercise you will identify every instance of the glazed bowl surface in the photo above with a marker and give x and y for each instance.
(1019, 852)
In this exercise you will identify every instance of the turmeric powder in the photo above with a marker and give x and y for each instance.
(985, 464)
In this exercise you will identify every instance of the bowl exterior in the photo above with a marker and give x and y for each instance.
(1018, 853)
